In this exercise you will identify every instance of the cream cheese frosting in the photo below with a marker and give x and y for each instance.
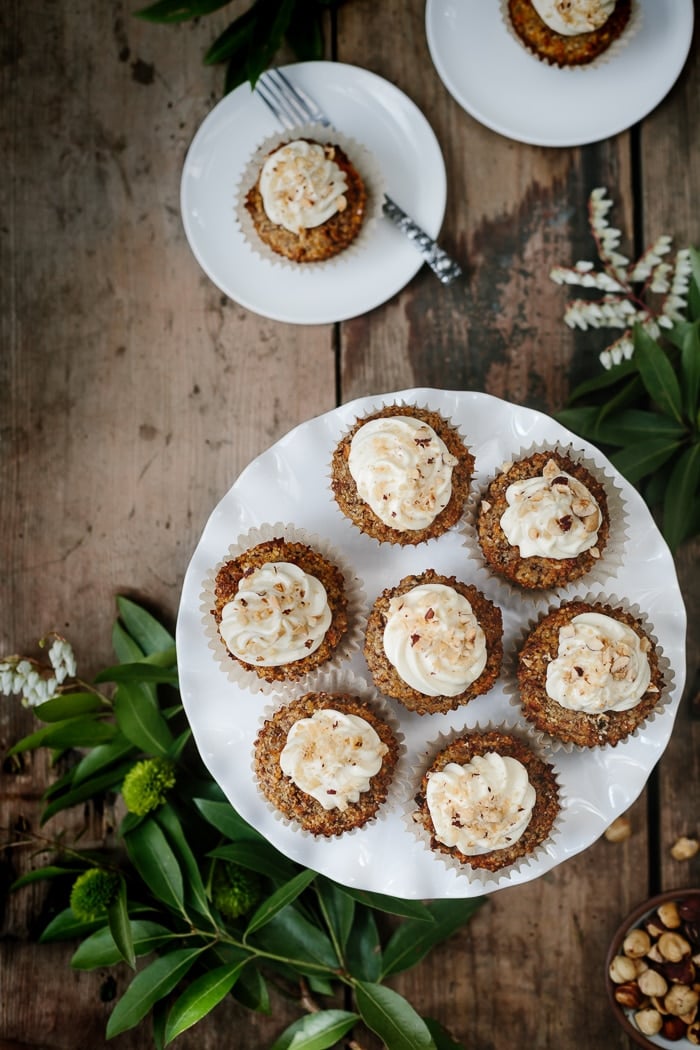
(403, 470)
(570, 17)
(601, 665)
(552, 515)
(332, 756)
(483, 805)
(279, 614)
(434, 640)
(301, 185)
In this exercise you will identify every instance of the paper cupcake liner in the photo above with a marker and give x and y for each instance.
(612, 557)
(347, 682)
(350, 643)
(362, 160)
(449, 425)
(630, 30)
(488, 880)
(511, 687)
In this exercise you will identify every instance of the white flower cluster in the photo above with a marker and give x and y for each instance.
(26, 677)
(623, 303)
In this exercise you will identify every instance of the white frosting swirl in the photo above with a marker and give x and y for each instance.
(552, 515)
(601, 665)
(434, 640)
(481, 806)
(570, 17)
(332, 756)
(403, 470)
(279, 614)
(301, 185)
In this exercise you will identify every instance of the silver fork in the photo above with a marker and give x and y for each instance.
(291, 105)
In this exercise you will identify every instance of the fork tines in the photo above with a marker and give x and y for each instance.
(288, 103)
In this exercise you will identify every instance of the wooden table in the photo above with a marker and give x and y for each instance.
(133, 393)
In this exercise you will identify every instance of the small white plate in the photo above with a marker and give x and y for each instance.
(365, 107)
(290, 483)
(495, 80)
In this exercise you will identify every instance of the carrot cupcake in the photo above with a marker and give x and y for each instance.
(309, 201)
(543, 522)
(326, 761)
(568, 33)
(402, 474)
(433, 643)
(589, 674)
(281, 609)
(487, 800)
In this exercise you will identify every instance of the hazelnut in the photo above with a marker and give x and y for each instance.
(654, 926)
(684, 848)
(658, 1003)
(619, 830)
(693, 1033)
(682, 972)
(672, 1028)
(689, 909)
(648, 1021)
(654, 955)
(622, 969)
(636, 944)
(669, 915)
(653, 983)
(680, 1000)
(673, 947)
(630, 996)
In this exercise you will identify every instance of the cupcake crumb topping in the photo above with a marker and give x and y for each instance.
(302, 186)
(570, 17)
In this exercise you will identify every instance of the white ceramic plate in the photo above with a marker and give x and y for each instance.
(290, 483)
(378, 116)
(495, 80)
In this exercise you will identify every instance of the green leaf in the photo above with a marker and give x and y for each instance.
(690, 367)
(102, 756)
(50, 871)
(391, 905)
(251, 991)
(125, 648)
(140, 720)
(657, 374)
(634, 425)
(170, 823)
(267, 37)
(316, 1031)
(156, 863)
(99, 948)
(297, 941)
(201, 997)
(279, 899)
(234, 39)
(66, 927)
(607, 378)
(120, 926)
(86, 789)
(392, 1018)
(412, 941)
(147, 632)
(682, 494)
(258, 856)
(148, 986)
(169, 11)
(74, 732)
(643, 458)
(69, 705)
(580, 420)
(338, 910)
(223, 817)
(363, 951)
(632, 393)
(441, 1037)
(139, 672)
(305, 32)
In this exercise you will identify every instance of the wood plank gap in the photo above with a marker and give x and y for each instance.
(654, 836)
(638, 238)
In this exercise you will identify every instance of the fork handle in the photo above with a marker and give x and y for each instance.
(443, 266)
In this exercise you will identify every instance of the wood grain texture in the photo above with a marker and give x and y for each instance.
(134, 393)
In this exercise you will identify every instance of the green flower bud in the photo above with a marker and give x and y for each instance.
(235, 890)
(146, 785)
(92, 893)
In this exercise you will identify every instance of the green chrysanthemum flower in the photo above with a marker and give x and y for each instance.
(147, 784)
(235, 890)
(92, 893)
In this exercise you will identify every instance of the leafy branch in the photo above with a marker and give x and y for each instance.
(195, 900)
(248, 45)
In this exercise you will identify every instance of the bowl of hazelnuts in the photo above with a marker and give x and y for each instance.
(653, 971)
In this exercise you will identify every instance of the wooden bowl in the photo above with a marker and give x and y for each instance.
(636, 919)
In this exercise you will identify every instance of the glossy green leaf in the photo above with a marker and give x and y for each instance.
(125, 648)
(316, 1031)
(279, 899)
(657, 374)
(148, 986)
(407, 909)
(147, 632)
(234, 39)
(363, 951)
(69, 705)
(629, 394)
(632, 425)
(338, 909)
(392, 1018)
(690, 368)
(682, 494)
(201, 997)
(268, 33)
(289, 935)
(258, 856)
(120, 925)
(50, 871)
(74, 732)
(603, 380)
(139, 672)
(153, 858)
(66, 927)
(252, 992)
(580, 420)
(304, 33)
(101, 757)
(195, 893)
(140, 720)
(223, 817)
(644, 458)
(99, 948)
(412, 941)
(441, 1037)
(94, 787)
(170, 11)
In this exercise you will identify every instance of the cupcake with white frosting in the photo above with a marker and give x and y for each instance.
(402, 474)
(571, 33)
(326, 760)
(487, 800)
(433, 643)
(589, 673)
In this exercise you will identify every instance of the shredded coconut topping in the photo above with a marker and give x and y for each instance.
(570, 17)
(302, 186)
